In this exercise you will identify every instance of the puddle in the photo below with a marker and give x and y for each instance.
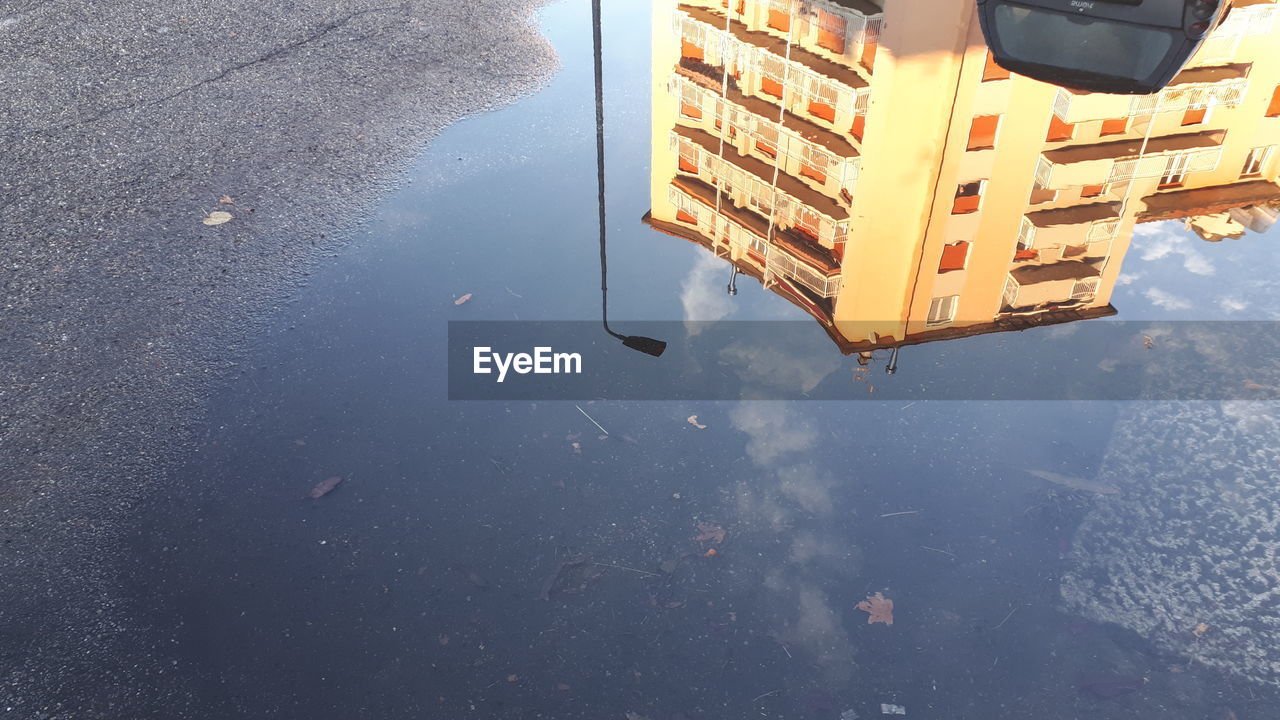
(555, 558)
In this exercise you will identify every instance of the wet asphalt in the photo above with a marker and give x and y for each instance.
(122, 126)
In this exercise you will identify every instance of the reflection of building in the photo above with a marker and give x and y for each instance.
(874, 167)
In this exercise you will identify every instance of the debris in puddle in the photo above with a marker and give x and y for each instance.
(710, 532)
(217, 217)
(324, 487)
(577, 448)
(1200, 629)
(896, 514)
(1075, 483)
(552, 583)
(593, 420)
(300, 442)
(562, 687)
(512, 677)
(462, 299)
(891, 709)
(693, 420)
(849, 714)
(226, 200)
(635, 716)
(879, 609)
(710, 553)
(471, 576)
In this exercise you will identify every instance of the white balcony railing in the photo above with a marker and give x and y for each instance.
(799, 81)
(1074, 108)
(760, 195)
(1158, 165)
(780, 262)
(787, 142)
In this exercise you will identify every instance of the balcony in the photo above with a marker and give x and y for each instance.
(788, 254)
(1062, 232)
(799, 146)
(804, 80)
(1247, 18)
(1051, 285)
(1192, 89)
(790, 203)
(1119, 161)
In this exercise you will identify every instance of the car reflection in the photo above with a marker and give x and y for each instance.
(873, 166)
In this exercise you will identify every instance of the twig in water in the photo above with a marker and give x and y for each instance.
(904, 512)
(765, 695)
(913, 402)
(785, 650)
(624, 567)
(1006, 617)
(593, 420)
(944, 552)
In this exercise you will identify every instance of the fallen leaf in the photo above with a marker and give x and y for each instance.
(324, 487)
(562, 687)
(879, 609)
(512, 677)
(462, 299)
(693, 420)
(217, 217)
(709, 532)
(226, 200)
(1201, 629)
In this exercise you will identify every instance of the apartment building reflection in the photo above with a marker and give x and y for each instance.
(873, 166)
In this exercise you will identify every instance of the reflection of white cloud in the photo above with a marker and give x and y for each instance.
(1230, 304)
(1166, 300)
(772, 430)
(1159, 241)
(780, 365)
(1128, 278)
(806, 487)
(703, 295)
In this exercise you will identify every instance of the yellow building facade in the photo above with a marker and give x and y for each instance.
(873, 166)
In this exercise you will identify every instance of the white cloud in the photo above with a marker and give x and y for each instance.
(1128, 278)
(1166, 300)
(1160, 241)
(1230, 304)
(703, 294)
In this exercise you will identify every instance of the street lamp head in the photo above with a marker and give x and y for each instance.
(646, 345)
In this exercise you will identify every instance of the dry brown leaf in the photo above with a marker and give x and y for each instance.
(879, 609)
(709, 532)
(693, 420)
(462, 299)
(226, 200)
(217, 217)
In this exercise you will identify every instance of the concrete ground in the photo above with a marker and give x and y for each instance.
(122, 125)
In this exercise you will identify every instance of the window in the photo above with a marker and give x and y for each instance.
(780, 16)
(1059, 130)
(982, 132)
(1175, 171)
(954, 256)
(1273, 110)
(1042, 194)
(1116, 126)
(814, 164)
(1195, 116)
(691, 101)
(686, 209)
(859, 127)
(942, 309)
(968, 197)
(992, 71)
(1092, 191)
(1257, 161)
(831, 32)
(767, 139)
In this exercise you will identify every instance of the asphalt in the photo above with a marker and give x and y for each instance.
(122, 125)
